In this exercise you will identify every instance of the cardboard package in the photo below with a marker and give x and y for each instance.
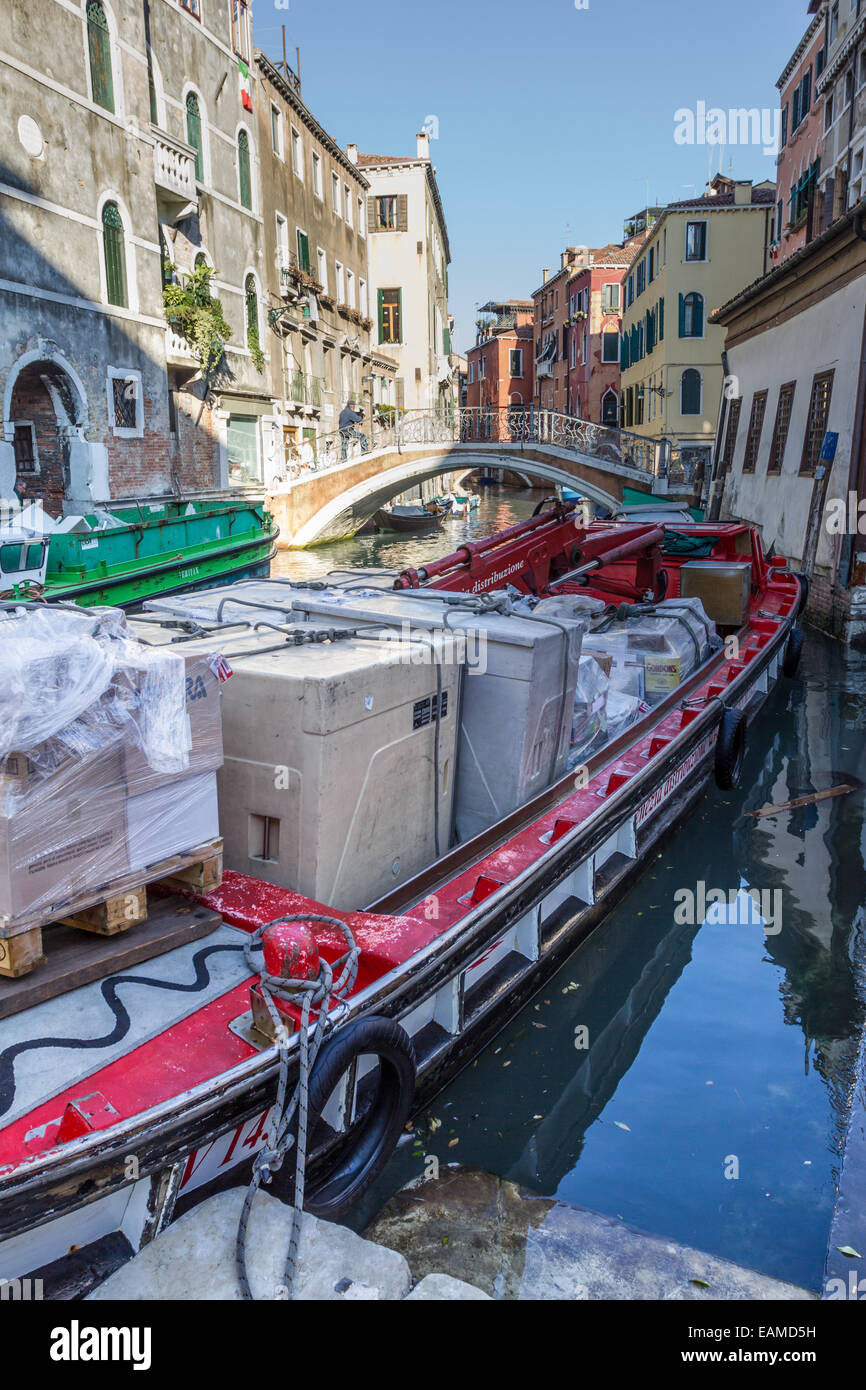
(205, 738)
(64, 838)
(179, 816)
(724, 590)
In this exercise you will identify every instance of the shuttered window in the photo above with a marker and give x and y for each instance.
(245, 185)
(303, 250)
(389, 213)
(780, 429)
(252, 301)
(691, 315)
(690, 392)
(816, 425)
(756, 426)
(390, 316)
(99, 46)
(661, 320)
(114, 251)
(610, 346)
(731, 434)
(193, 134)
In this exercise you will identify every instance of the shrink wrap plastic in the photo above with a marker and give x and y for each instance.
(95, 754)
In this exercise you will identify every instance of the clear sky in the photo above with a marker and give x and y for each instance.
(554, 121)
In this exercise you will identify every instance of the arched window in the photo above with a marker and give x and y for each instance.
(609, 408)
(245, 186)
(692, 315)
(193, 134)
(252, 299)
(99, 45)
(690, 392)
(114, 250)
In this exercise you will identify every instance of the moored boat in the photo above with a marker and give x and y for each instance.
(445, 955)
(409, 517)
(122, 555)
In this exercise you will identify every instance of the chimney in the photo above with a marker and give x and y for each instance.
(423, 145)
(743, 193)
(545, 276)
(352, 152)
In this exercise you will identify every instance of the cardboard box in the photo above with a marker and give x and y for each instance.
(65, 838)
(204, 715)
(179, 816)
(724, 589)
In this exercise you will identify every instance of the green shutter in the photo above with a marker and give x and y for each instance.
(699, 316)
(244, 179)
(101, 84)
(381, 299)
(115, 255)
(623, 353)
(303, 250)
(661, 320)
(682, 316)
(193, 134)
(252, 311)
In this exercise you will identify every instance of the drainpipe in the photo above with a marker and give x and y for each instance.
(716, 484)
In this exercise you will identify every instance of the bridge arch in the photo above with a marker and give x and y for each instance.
(347, 508)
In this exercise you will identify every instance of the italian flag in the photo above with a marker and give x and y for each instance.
(246, 85)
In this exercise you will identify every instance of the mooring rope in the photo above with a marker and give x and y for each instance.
(317, 993)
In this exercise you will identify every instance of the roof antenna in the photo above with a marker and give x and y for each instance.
(285, 64)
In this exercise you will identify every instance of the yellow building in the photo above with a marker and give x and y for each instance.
(698, 255)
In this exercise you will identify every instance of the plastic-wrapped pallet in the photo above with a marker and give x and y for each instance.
(87, 717)
(653, 652)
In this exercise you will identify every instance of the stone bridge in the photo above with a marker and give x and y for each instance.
(330, 501)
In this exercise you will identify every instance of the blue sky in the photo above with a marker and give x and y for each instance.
(551, 119)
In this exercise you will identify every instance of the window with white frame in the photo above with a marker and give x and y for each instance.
(696, 241)
(125, 403)
(363, 301)
(277, 130)
(348, 202)
(362, 221)
(340, 277)
(350, 289)
(282, 242)
(322, 269)
(297, 153)
(317, 174)
(335, 193)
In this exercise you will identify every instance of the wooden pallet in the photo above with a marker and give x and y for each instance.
(73, 961)
(111, 910)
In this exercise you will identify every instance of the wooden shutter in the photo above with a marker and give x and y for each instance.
(303, 250)
(371, 214)
(99, 47)
(403, 212)
(698, 329)
(661, 320)
(381, 302)
(682, 316)
(244, 178)
(193, 134)
(115, 255)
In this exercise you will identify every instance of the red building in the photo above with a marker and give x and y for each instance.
(500, 365)
(551, 333)
(594, 297)
(800, 212)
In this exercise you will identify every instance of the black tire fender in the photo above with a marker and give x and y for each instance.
(793, 652)
(730, 749)
(343, 1180)
(804, 592)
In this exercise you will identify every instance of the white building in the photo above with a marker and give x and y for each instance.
(409, 257)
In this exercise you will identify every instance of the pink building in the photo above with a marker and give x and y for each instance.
(594, 294)
(799, 213)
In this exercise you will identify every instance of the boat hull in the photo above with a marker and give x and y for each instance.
(452, 998)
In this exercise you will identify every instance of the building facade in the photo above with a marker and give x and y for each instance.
(799, 211)
(841, 85)
(698, 254)
(551, 332)
(409, 255)
(500, 365)
(126, 168)
(595, 325)
(795, 347)
(314, 206)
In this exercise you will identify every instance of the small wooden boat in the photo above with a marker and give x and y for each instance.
(150, 1099)
(409, 517)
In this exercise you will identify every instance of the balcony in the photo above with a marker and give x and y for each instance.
(304, 390)
(174, 173)
(178, 351)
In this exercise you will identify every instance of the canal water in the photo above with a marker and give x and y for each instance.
(710, 1102)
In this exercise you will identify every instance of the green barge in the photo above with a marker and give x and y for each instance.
(126, 554)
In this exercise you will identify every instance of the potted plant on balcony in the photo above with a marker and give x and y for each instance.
(196, 315)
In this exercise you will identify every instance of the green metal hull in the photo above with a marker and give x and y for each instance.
(161, 547)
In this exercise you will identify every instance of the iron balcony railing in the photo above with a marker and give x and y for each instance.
(305, 390)
(525, 426)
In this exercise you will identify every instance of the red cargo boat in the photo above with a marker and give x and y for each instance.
(126, 1101)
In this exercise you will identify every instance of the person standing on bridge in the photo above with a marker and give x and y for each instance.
(349, 421)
